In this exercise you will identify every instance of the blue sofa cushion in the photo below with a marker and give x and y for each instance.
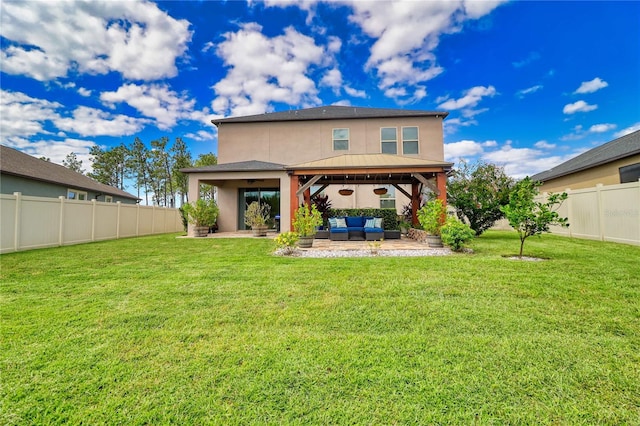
(373, 230)
(339, 230)
(355, 221)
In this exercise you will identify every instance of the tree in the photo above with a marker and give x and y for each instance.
(73, 163)
(139, 167)
(478, 192)
(160, 173)
(109, 166)
(209, 159)
(529, 217)
(181, 159)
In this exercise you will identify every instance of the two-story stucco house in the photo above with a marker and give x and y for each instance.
(284, 158)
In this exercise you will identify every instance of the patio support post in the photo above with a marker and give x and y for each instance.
(293, 200)
(415, 201)
(307, 197)
(441, 183)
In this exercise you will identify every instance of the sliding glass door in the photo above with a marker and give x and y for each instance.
(268, 196)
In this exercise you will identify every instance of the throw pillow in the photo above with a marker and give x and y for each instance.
(341, 223)
(377, 222)
(333, 222)
(370, 223)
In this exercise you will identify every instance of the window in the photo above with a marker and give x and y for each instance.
(388, 200)
(340, 139)
(409, 140)
(108, 199)
(630, 173)
(389, 140)
(73, 194)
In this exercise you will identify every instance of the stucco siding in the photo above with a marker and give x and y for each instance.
(607, 174)
(298, 142)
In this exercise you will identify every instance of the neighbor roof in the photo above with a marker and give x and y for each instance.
(17, 163)
(330, 113)
(369, 161)
(241, 166)
(623, 147)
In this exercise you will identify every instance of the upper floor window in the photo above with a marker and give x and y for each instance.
(108, 199)
(73, 194)
(409, 140)
(389, 140)
(340, 139)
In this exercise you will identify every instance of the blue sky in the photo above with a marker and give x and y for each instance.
(528, 85)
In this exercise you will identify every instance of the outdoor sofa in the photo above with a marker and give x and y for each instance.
(355, 228)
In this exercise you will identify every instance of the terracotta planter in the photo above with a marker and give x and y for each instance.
(305, 242)
(434, 241)
(200, 231)
(380, 191)
(259, 231)
(345, 192)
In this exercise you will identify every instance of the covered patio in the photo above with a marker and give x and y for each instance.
(369, 169)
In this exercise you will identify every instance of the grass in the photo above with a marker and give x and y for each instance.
(161, 330)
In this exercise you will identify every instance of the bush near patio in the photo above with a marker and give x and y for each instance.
(153, 337)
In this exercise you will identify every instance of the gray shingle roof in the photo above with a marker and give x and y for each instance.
(331, 112)
(241, 166)
(623, 147)
(18, 163)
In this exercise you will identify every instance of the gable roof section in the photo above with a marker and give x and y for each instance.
(331, 112)
(241, 166)
(17, 163)
(623, 147)
(355, 161)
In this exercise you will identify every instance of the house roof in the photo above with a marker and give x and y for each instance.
(17, 163)
(623, 147)
(241, 166)
(331, 112)
(355, 161)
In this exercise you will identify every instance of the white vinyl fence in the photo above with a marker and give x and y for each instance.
(35, 222)
(605, 213)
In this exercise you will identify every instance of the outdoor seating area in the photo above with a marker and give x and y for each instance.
(355, 228)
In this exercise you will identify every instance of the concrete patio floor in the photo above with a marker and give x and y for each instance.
(326, 244)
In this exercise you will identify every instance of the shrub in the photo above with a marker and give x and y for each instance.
(456, 234)
(432, 216)
(201, 212)
(286, 242)
(307, 220)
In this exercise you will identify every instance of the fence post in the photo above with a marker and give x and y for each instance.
(93, 219)
(600, 211)
(118, 222)
(569, 210)
(137, 219)
(61, 225)
(16, 229)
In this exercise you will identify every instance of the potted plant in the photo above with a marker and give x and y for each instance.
(432, 217)
(305, 222)
(202, 214)
(256, 217)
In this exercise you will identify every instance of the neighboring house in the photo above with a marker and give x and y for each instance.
(284, 158)
(612, 163)
(28, 175)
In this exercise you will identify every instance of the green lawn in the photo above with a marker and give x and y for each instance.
(161, 330)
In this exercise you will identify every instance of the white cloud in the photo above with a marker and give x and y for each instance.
(263, 70)
(578, 106)
(591, 86)
(94, 122)
(156, 101)
(48, 39)
(529, 90)
(533, 56)
(544, 145)
(24, 116)
(354, 92)
(56, 151)
(601, 128)
(517, 162)
(470, 99)
(633, 128)
(407, 33)
(202, 135)
(84, 92)
(332, 79)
